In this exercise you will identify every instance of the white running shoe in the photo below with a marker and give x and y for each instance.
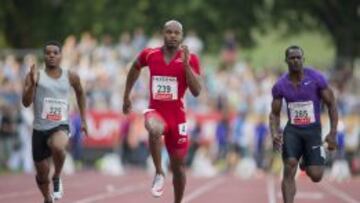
(158, 185)
(58, 188)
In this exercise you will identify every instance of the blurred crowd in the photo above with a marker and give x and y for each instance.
(227, 122)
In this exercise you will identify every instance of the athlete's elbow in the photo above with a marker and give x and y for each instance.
(274, 116)
(332, 105)
(270, 116)
(196, 92)
(26, 103)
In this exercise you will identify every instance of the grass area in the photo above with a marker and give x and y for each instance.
(269, 52)
(2, 40)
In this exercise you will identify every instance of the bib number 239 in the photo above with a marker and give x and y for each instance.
(164, 88)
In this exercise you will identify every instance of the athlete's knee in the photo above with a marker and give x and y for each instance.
(315, 175)
(179, 171)
(316, 178)
(154, 137)
(42, 178)
(291, 164)
(290, 167)
(154, 126)
(57, 148)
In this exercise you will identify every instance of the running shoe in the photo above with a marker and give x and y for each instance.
(58, 188)
(157, 188)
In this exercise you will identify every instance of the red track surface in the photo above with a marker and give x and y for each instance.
(134, 187)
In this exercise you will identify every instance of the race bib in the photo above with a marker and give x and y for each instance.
(164, 88)
(182, 129)
(54, 109)
(301, 113)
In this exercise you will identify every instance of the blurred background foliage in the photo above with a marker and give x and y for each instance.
(329, 28)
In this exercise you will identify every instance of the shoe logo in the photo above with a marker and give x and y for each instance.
(307, 82)
(315, 147)
(182, 140)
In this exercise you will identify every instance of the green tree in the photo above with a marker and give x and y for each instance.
(339, 18)
(26, 23)
(30, 23)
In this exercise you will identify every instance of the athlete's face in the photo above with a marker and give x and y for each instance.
(52, 56)
(172, 35)
(295, 60)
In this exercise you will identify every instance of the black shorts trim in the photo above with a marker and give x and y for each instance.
(40, 148)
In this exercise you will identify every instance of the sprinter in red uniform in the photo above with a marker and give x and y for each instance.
(172, 70)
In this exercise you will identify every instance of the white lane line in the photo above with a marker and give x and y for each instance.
(18, 194)
(310, 195)
(338, 193)
(306, 195)
(113, 192)
(24, 193)
(270, 186)
(203, 189)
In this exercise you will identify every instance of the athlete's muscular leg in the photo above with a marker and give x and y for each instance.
(179, 176)
(57, 144)
(288, 186)
(42, 178)
(155, 126)
(315, 173)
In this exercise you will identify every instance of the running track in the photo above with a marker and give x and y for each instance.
(133, 187)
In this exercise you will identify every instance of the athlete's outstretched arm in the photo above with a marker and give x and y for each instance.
(192, 80)
(131, 78)
(80, 98)
(328, 97)
(29, 86)
(274, 122)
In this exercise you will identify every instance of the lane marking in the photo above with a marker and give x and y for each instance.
(10, 195)
(113, 192)
(306, 195)
(270, 186)
(203, 189)
(338, 193)
(18, 194)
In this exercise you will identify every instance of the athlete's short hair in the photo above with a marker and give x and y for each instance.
(53, 43)
(293, 47)
(167, 23)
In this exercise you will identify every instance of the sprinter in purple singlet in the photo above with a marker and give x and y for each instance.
(303, 89)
